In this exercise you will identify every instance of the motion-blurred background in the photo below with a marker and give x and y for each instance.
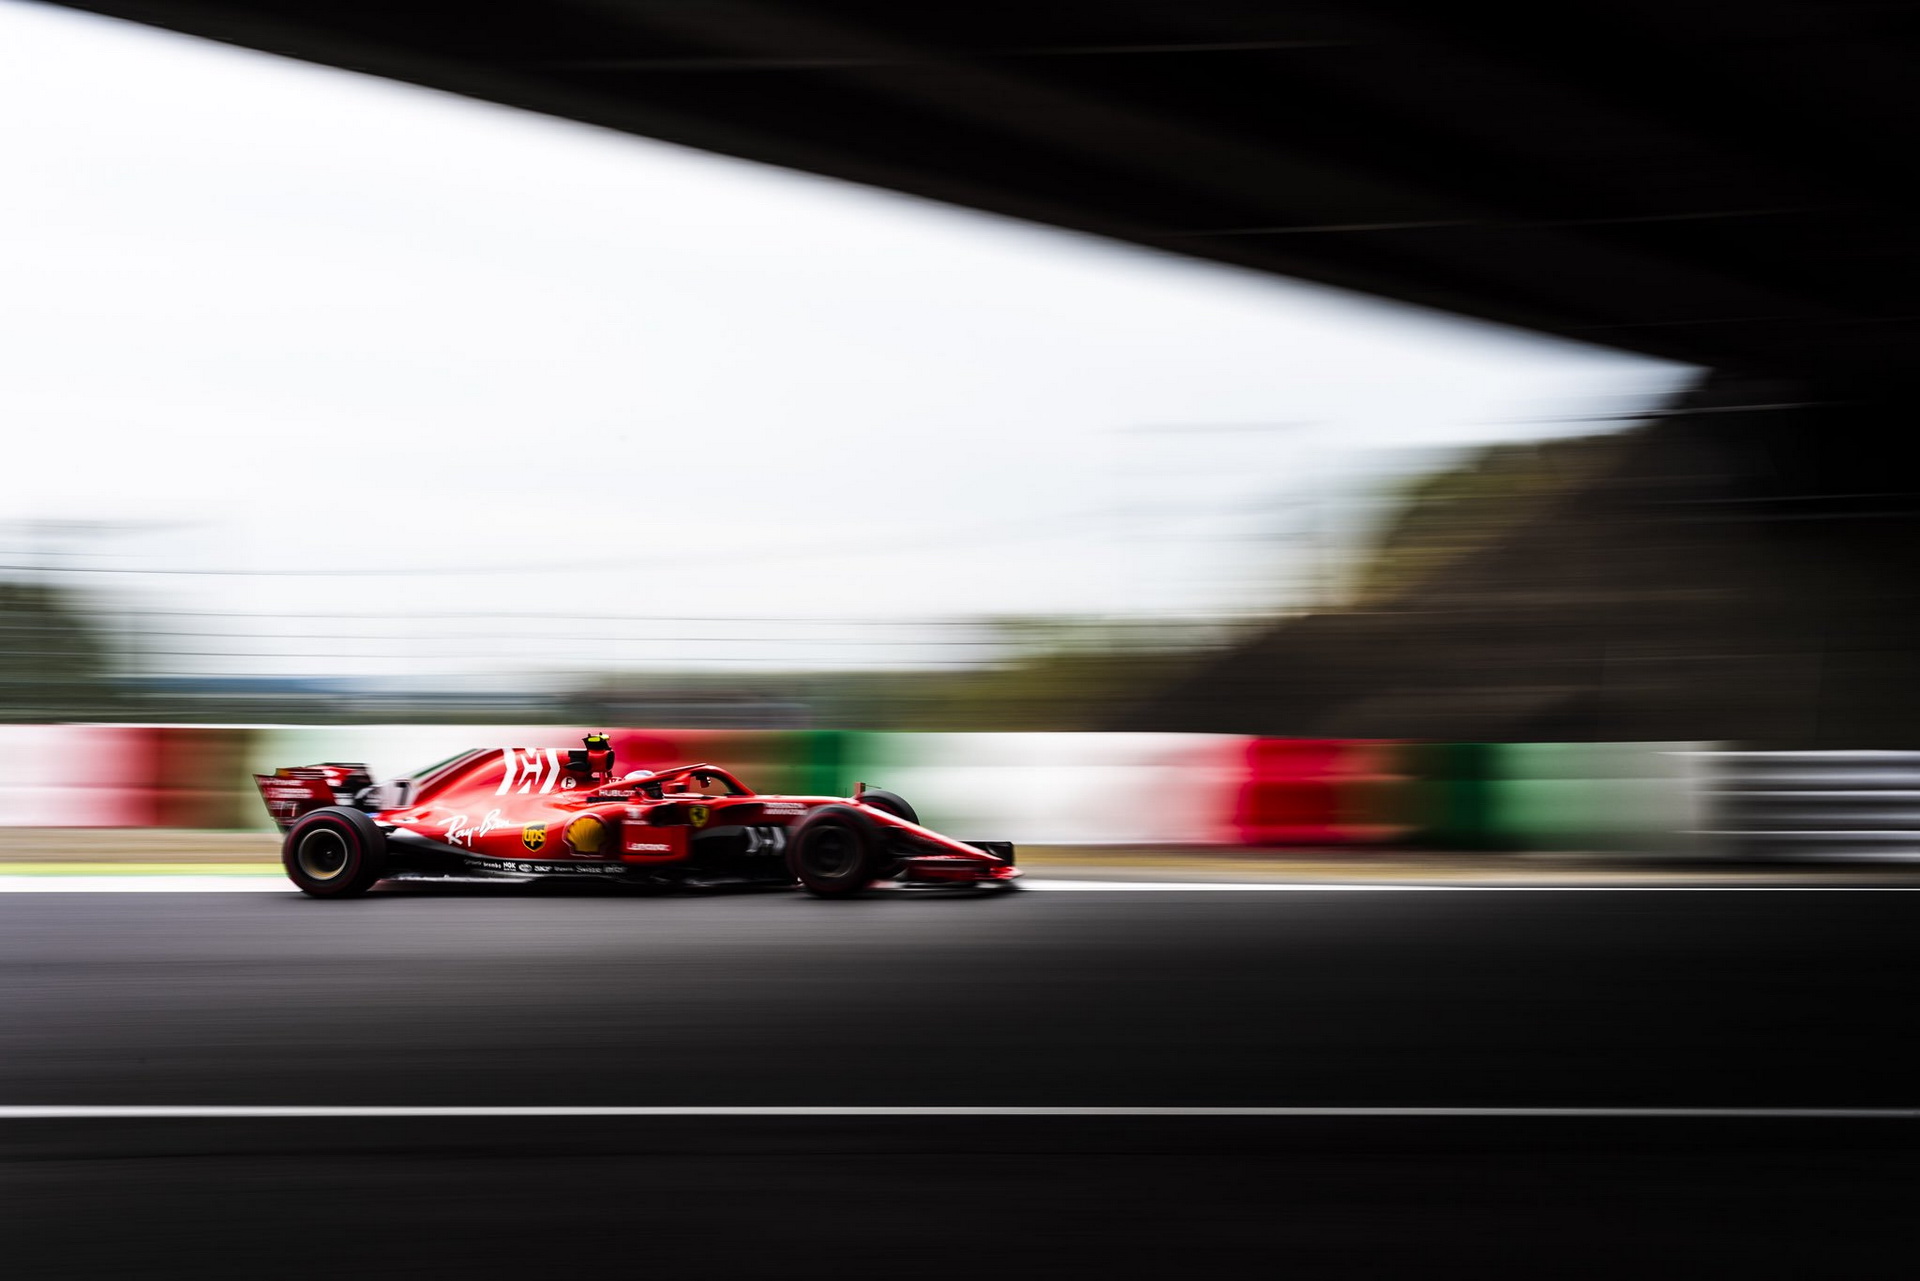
(352, 418)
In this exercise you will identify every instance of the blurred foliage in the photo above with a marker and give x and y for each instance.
(53, 664)
(1054, 674)
(1064, 674)
(1445, 515)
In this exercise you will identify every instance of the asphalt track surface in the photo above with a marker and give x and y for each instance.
(1584, 999)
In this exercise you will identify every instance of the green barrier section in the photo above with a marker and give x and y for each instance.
(871, 757)
(820, 762)
(765, 760)
(1575, 797)
(1452, 797)
(1599, 797)
(893, 760)
(835, 759)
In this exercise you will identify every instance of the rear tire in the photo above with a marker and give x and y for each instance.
(334, 853)
(836, 852)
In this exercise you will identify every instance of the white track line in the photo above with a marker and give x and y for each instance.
(141, 1111)
(164, 883)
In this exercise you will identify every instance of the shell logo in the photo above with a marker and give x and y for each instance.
(586, 835)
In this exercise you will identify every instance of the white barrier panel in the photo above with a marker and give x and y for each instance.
(1064, 789)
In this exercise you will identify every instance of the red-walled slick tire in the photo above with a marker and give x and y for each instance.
(892, 802)
(334, 852)
(836, 852)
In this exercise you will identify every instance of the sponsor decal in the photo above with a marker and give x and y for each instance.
(533, 835)
(528, 769)
(461, 832)
(783, 808)
(649, 847)
(586, 834)
(699, 814)
(546, 869)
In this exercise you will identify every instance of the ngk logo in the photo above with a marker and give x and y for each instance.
(532, 768)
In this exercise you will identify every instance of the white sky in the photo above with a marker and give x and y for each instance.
(289, 318)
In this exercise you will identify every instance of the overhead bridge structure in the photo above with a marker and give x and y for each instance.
(1718, 182)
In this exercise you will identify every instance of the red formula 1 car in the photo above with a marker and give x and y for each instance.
(510, 813)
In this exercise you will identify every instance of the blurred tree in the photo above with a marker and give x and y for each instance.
(53, 663)
(1059, 674)
(1050, 674)
(1444, 516)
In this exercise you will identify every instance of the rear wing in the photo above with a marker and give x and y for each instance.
(290, 793)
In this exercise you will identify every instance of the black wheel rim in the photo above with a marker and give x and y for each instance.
(323, 854)
(831, 853)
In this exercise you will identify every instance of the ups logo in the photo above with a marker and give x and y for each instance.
(533, 835)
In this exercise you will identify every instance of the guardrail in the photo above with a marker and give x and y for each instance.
(1827, 805)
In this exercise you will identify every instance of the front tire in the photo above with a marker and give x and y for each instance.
(836, 852)
(334, 853)
(892, 802)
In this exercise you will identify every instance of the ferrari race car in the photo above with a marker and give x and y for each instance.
(522, 814)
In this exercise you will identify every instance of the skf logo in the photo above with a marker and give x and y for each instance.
(699, 814)
(533, 835)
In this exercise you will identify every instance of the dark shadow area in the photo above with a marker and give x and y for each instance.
(1048, 1198)
(1742, 571)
